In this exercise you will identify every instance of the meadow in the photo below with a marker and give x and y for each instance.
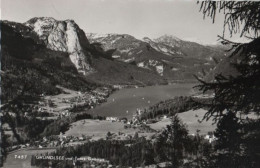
(191, 119)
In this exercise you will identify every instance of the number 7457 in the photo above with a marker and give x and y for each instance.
(20, 156)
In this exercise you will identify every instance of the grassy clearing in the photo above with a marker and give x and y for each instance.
(190, 118)
(97, 128)
(57, 99)
(160, 124)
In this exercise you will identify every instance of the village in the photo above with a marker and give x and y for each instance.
(64, 104)
(70, 103)
(145, 128)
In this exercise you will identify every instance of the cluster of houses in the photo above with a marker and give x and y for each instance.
(119, 136)
(136, 119)
(93, 162)
(60, 141)
(118, 86)
(52, 142)
(112, 119)
(87, 100)
(63, 140)
(65, 113)
(16, 147)
(210, 137)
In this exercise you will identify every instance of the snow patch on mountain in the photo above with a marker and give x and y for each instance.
(96, 35)
(158, 66)
(175, 69)
(129, 60)
(139, 52)
(169, 40)
(116, 56)
(125, 50)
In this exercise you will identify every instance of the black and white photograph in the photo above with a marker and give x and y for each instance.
(129, 84)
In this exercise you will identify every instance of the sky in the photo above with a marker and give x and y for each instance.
(140, 18)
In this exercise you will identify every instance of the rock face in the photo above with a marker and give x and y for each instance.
(64, 36)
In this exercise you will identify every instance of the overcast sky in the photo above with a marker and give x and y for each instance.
(139, 18)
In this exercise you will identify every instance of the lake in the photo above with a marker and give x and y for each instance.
(124, 102)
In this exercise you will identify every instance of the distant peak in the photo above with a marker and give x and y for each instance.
(98, 35)
(109, 35)
(35, 19)
(169, 37)
(147, 39)
(46, 20)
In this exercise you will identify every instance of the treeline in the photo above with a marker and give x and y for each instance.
(139, 151)
(27, 128)
(133, 153)
(31, 68)
(175, 146)
(173, 106)
(37, 77)
(63, 124)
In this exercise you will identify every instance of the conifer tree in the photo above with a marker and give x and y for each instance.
(239, 94)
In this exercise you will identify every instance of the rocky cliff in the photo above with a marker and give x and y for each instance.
(64, 36)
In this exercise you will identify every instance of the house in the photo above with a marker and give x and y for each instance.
(210, 138)
(138, 111)
(124, 120)
(113, 119)
(26, 114)
(44, 139)
(81, 138)
(65, 113)
(79, 92)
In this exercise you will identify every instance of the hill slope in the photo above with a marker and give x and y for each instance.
(43, 54)
(190, 49)
(28, 64)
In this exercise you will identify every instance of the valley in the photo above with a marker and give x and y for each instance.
(129, 84)
(67, 87)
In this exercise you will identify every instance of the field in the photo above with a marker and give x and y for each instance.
(190, 118)
(57, 99)
(160, 124)
(97, 128)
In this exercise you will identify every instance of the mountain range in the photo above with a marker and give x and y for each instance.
(48, 52)
(168, 56)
